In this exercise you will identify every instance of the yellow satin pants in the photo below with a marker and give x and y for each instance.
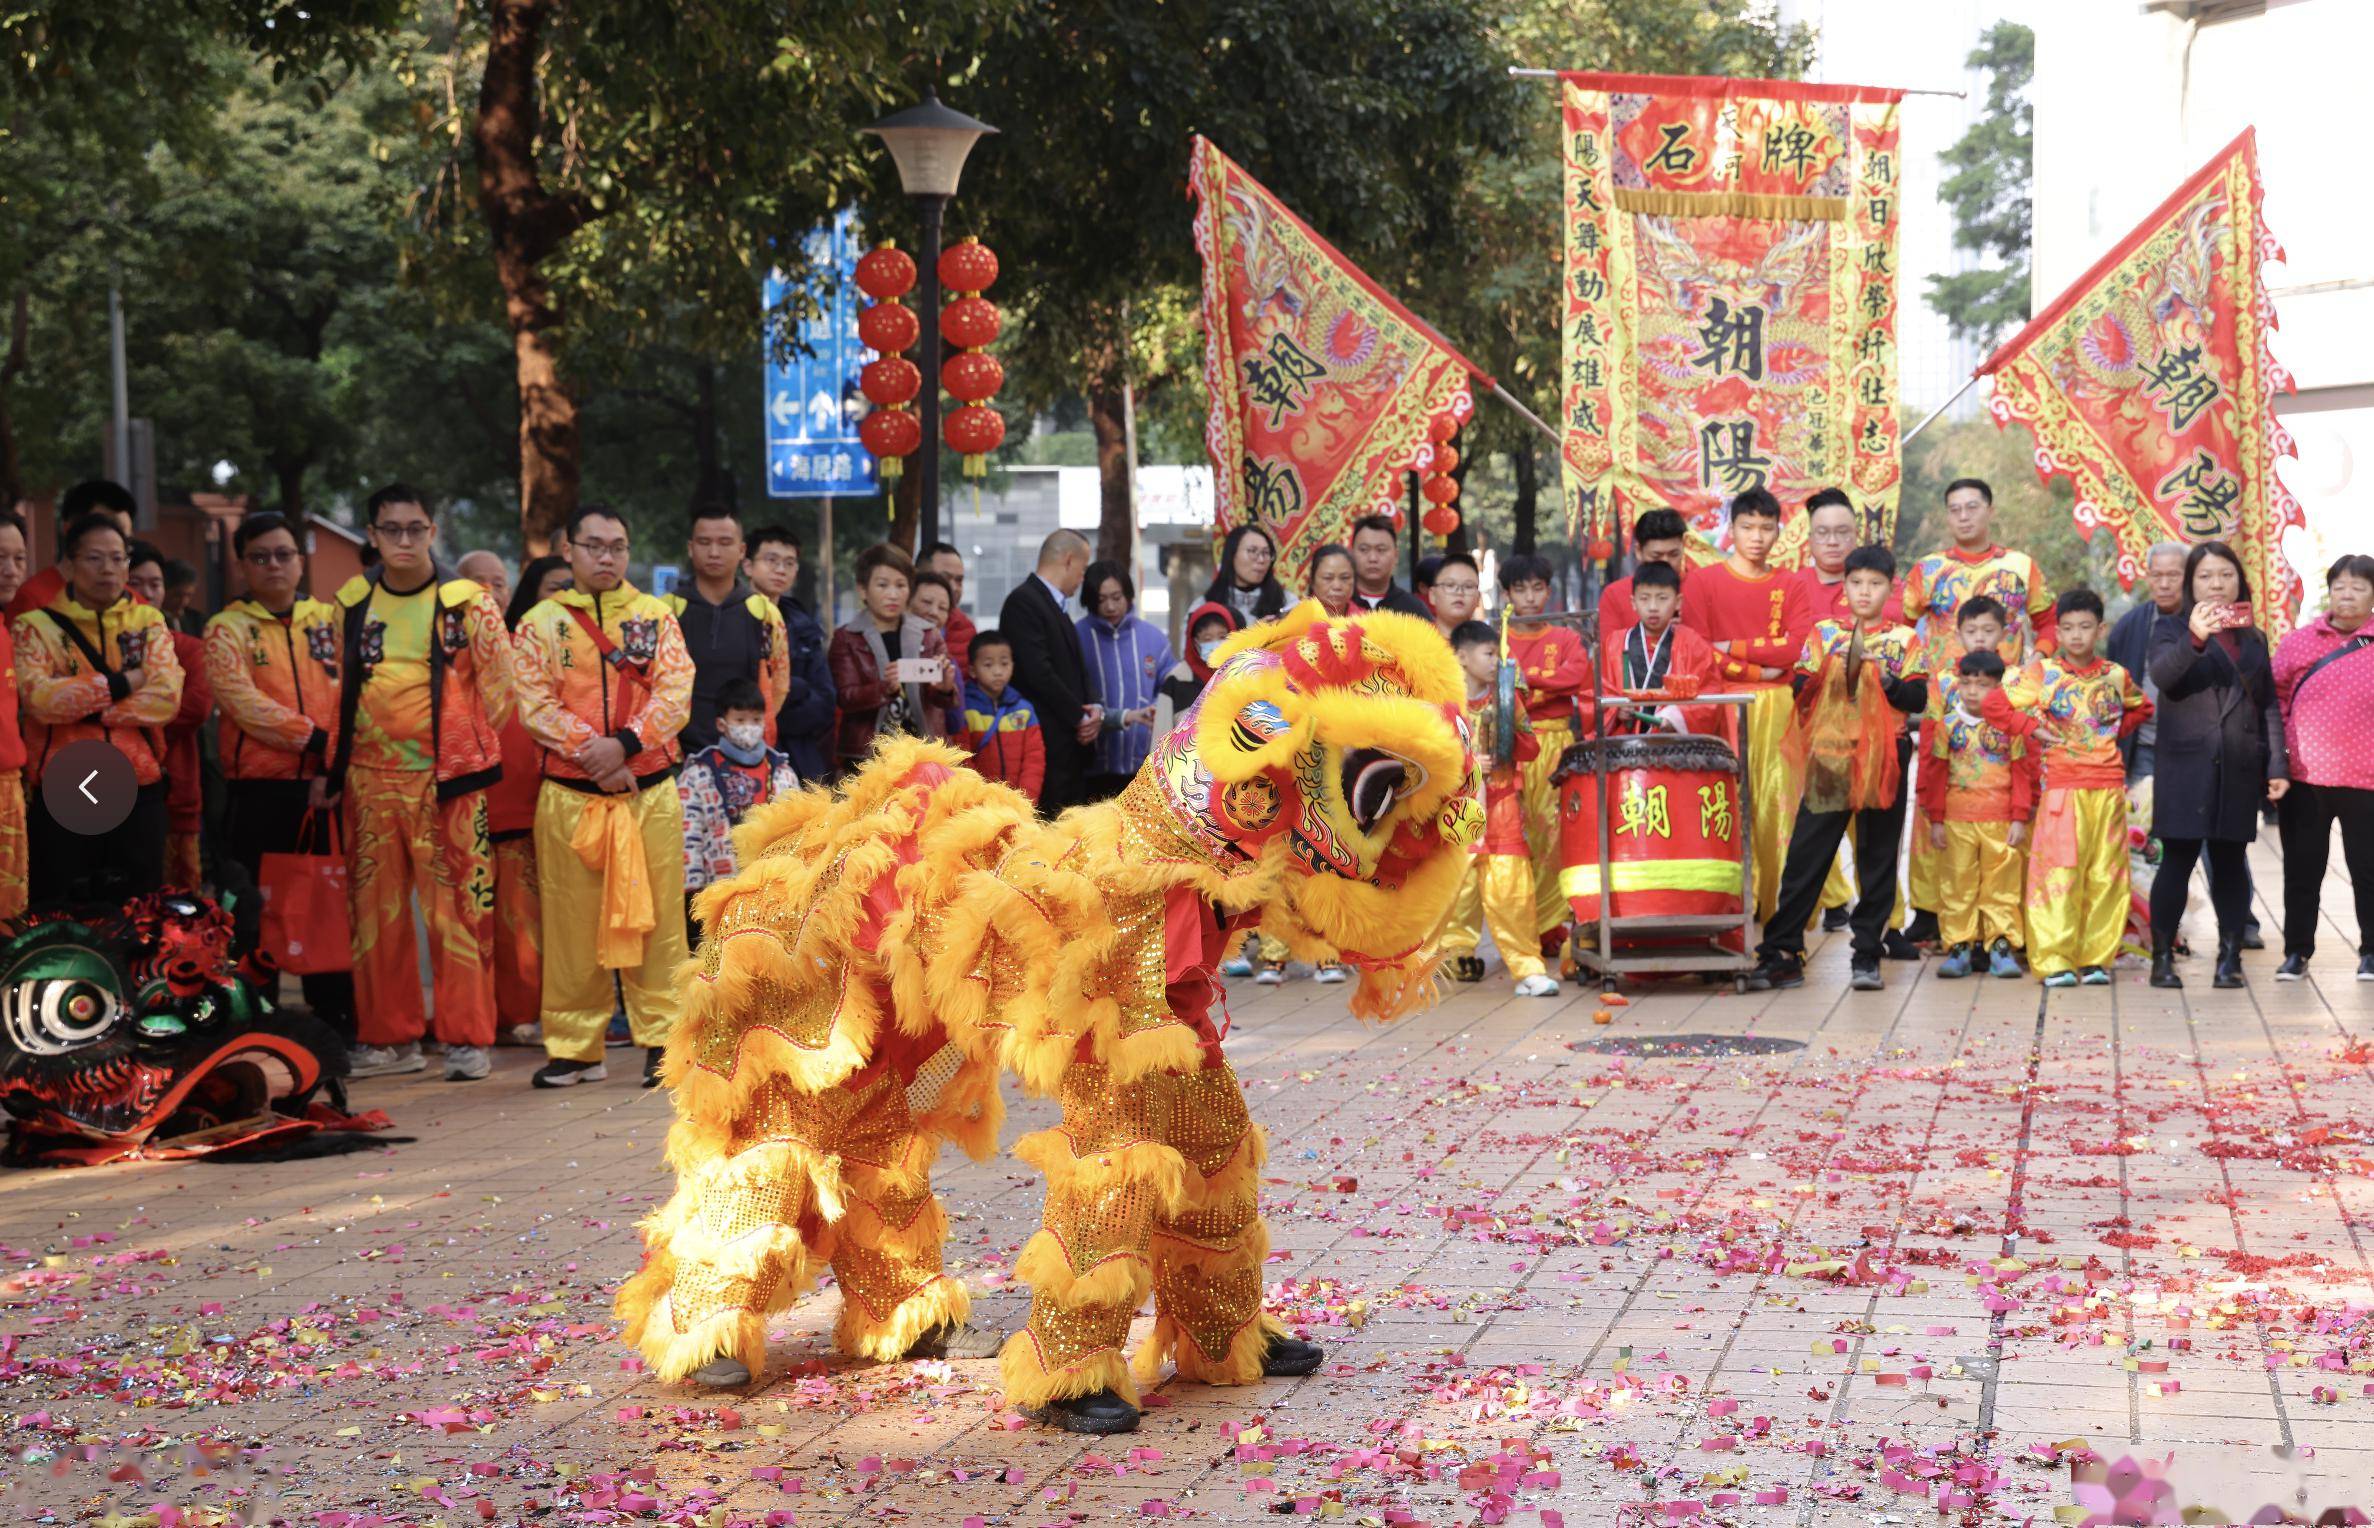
(577, 987)
(2077, 879)
(1772, 791)
(1153, 1187)
(1979, 896)
(1498, 891)
(1541, 830)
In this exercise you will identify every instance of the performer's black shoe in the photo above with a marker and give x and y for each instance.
(651, 1060)
(722, 1374)
(1834, 919)
(2293, 969)
(1101, 1413)
(2229, 966)
(961, 1341)
(2252, 939)
(1898, 945)
(1923, 927)
(1286, 1358)
(1775, 971)
(2163, 968)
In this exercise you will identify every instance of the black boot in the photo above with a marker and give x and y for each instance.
(1286, 1357)
(2229, 965)
(1101, 1413)
(2163, 967)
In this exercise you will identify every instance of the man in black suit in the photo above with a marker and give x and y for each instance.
(1375, 549)
(1048, 667)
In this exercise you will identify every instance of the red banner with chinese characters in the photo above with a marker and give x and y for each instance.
(1322, 387)
(2149, 385)
(1730, 304)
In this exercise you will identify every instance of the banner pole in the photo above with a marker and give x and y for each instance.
(1935, 414)
(1516, 73)
(1527, 415)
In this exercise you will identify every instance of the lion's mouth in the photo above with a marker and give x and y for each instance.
(1374, 782)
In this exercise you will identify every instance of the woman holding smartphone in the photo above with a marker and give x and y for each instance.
(890, 666)
(2220, 753)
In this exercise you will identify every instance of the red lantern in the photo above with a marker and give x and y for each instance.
(968, 266)
(1399, 519)
(972, 376)
(974, 431)
(969, 323)
(890, 434)
(888, 327)
(1445, 459)
(1441, 428)
(892, 380)
(886, 273)
(1601, 549)
(1440, 490)
(1440, 520)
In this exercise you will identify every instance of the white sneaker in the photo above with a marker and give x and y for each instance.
(521, 1035)
(467, 1063)
(1270, 976)
(568, 1074)
(384, 1060)
(1328, 976)
(1538, 985)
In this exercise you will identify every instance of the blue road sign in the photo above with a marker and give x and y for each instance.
(812, 402)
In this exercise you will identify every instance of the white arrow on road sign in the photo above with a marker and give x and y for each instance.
(85, 787)
(784, 410)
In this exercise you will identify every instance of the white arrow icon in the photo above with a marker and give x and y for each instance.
(785, 410)
(85, 787)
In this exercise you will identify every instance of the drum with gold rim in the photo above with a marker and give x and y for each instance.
(1674, 827)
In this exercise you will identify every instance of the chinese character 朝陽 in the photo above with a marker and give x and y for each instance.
(1714, 811)
(1734, 340)
(2179, 388)
(1281, 378)
(1641, 810)
(1727, 456)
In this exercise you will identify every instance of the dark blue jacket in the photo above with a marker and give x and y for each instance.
(804, 727)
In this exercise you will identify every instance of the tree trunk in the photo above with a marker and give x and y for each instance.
(12, 478)
(290, 473)
(714, 481)
(1116, 479)
(525, 225)
(1528, 471)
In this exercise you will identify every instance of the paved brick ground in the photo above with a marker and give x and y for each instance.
(1929, 1245)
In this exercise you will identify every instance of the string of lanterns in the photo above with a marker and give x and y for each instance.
(971, 375)
(1440, 489)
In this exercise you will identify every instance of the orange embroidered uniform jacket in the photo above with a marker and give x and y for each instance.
(275, 680)
(634, 684)
(65, 699)
(468, 681)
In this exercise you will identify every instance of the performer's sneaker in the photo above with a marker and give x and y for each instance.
(2093, 976)
(1898, 945)
(722, 1374)
(1236, 968)
(2061, 979)
(1466, 968)
(1270, 976)
(1101, 1413)
(2293, 969)
(384, 1060)
(1957, 962)
(1776, 972)
(567, 1074)
(1328, 976)
(1864, 975)
(1540, 984)
(1287, 1358)
(467, 1063)
(963, 1340)
(2003, 960)
(2366, 968)
(651, 1060)
(1834, 919)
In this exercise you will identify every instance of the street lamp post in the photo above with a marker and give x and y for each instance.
(929, 143)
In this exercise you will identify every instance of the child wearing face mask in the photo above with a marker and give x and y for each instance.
(722, 782)
(1208, 625)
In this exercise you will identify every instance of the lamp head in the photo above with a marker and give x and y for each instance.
(929, 142)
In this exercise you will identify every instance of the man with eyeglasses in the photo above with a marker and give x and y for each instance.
(605, 686)
(96, 665)
(424, 686)
(804, 726)
(273, 657)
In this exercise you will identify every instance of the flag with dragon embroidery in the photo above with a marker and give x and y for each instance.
(2149, 385)
(1323, 388)
(1729, 315)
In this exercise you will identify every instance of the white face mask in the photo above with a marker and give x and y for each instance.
(748, 737)
(1205, 650)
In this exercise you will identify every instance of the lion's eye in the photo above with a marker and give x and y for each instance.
(51, 1018)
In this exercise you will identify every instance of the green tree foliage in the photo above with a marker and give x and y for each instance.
(1988, 185)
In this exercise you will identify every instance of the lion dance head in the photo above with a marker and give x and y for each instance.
(1327, 774)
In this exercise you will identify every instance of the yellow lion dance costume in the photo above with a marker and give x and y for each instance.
(888, 950)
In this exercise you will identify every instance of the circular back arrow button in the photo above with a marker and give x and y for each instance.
(88, 787)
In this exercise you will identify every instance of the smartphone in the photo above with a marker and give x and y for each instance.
(914, 671)
(2236, 616)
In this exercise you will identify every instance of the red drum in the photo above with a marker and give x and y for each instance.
(1674, 827)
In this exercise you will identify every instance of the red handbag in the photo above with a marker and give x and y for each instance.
(306, 925)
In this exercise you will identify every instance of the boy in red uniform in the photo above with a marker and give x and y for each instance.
(1854, 684)
(1978, 790)
(1756, 619)
(1000, 730)
(1647, 655)
(1658, 535)
(1553, 668)
(1498, 888)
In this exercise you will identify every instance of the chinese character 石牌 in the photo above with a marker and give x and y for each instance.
(1283, 380)
(1674, 154)
(1727, 457)
(2179, 388)
(1789, 146)
(1734, 339)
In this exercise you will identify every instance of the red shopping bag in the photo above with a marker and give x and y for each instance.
(306, 925)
